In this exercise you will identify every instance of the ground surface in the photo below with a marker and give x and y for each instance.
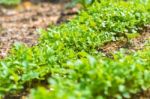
(20, 24)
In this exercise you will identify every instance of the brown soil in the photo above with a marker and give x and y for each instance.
(20, 23)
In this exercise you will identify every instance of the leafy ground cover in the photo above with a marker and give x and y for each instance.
(99, 77)
(10, 2)
(67, 58)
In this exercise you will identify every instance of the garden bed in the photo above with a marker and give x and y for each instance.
(102, 53)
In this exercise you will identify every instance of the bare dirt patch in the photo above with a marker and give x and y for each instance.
(19, 24)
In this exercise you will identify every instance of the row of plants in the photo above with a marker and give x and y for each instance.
(99, 77)
(62, 55)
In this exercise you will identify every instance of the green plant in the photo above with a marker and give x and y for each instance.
(62, 55)
(84, 3)
(10, 2)
(99, 77)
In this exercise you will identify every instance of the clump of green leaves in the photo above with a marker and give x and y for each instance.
(99, 77)
(10, 2)
(84, 3)
(63, 55)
